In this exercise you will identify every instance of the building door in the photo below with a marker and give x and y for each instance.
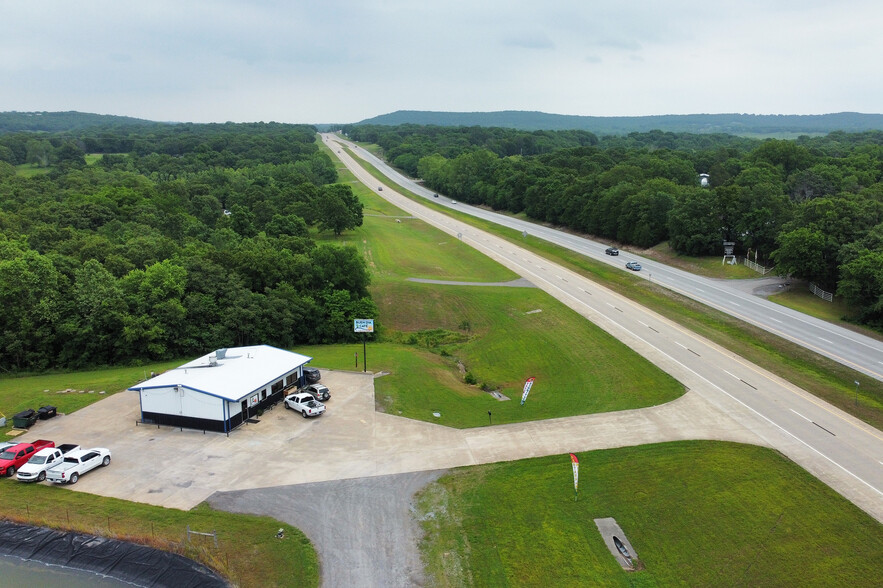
(245, 409)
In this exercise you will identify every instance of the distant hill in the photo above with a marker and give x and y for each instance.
(733, 124)
(54, 122)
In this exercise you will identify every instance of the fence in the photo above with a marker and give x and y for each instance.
(821, 293)
(757, 267)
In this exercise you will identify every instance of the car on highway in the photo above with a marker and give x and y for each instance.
(380, 188)
(305, 404)
(312, 375)
(611, 251)
(435, 195)
(318, 391)
(453, 202)
(634, 266)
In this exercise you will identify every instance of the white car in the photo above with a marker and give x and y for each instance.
(77, 463)
(305, 404)
(36, 468)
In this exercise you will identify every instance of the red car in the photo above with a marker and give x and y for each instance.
(16, 456)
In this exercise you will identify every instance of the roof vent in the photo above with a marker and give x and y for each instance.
(212, 360)
(221, 353)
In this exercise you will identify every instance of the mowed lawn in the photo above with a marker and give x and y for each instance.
(698, 513)
(499, 336)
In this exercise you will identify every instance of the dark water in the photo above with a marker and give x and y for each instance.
(18, 572)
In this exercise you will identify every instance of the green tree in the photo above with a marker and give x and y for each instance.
(339, 209)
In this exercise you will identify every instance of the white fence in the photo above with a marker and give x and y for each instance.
(757, 267)
(821, 293)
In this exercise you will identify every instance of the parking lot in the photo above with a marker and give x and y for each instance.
(180, 468)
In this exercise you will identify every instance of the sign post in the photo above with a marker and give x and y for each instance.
(363, 326)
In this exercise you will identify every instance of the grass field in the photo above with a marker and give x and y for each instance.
(20, 393)
(248, 551)
(819, 375)
(711, 267)
(697, 513)
(496, 336)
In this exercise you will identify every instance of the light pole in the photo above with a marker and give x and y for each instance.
(856, 392)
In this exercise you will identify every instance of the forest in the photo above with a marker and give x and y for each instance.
(812, 207)
(173, 240)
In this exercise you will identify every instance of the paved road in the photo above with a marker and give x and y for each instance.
(842, 451)
(857, 351)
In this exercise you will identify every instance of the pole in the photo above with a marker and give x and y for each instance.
(489, 420)
(364, 354)
(856, 392)
(357, 359)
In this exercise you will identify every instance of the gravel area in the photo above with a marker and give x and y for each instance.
(362, 528)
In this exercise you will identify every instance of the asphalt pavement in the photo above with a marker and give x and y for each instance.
(860, 352)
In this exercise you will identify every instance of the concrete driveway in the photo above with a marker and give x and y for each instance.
(180, 468)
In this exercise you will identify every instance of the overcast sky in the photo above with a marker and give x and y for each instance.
(343, 61)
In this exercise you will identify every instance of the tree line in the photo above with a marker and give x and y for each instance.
(181, 238)
(812, 206)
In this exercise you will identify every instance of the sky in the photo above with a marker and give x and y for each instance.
(342, 61)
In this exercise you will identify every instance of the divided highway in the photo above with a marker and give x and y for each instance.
(842, 451)
(854, 350)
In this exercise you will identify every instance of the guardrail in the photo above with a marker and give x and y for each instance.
(821, 293)
(757, 267)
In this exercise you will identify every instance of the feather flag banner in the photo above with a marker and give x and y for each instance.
(527, 386)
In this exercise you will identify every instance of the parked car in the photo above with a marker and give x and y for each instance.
(318, 391)
(611, 251)
(76, 463)
(305, 404)
(312, 375)
(49, 457)
(634, 266)
(18, 455)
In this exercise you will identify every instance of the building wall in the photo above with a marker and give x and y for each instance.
(182, 402)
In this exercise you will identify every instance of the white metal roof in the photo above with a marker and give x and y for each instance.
(241, 371)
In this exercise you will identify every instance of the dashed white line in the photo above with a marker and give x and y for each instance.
(825, 340)
(734, 375)
(680, 345)
(775, 319)
(800, 415)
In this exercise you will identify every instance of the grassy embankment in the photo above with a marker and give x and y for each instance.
(433, 337)
(697, 513)
(819, 375)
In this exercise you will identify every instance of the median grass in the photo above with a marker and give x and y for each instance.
(815, 373)
(698, 513)
(448, 346)
(248, 552)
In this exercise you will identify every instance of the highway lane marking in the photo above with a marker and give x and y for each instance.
(734, 375)
(800, 415)
(824, 429)
(775, 319)
(735, 303)
(585, 243)
(825, 340)
(712, 384)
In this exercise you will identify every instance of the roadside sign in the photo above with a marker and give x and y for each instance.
(363, 326)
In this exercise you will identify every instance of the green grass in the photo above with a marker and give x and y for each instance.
(708, 266)
(20, 393)
(491, 333)
(248, 552)
(29, 170)
(838, 312)
(93, 158)
(825, 378)
(697, 513)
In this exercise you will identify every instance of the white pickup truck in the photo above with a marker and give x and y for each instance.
(77, 463)
(36, 468)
